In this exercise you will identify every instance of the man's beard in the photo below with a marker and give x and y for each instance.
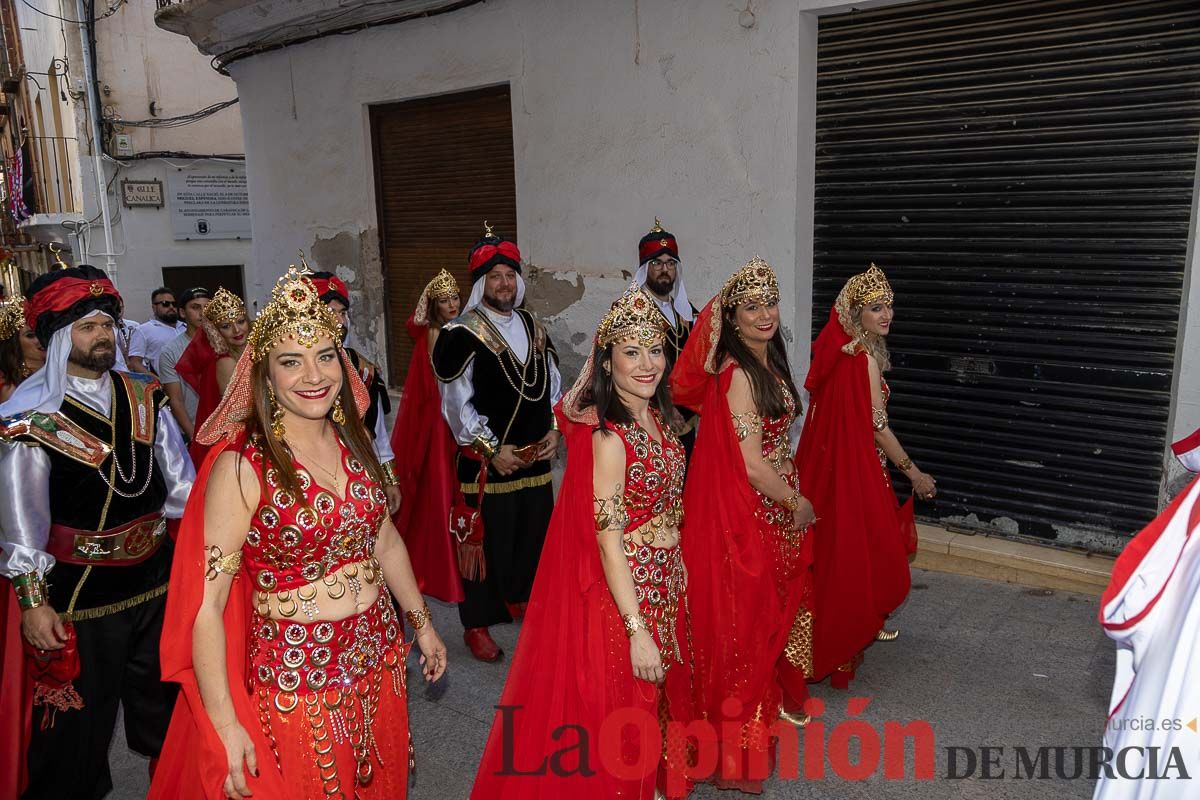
(500, 305)
(101, 358)
(171, 318)
(660, 285)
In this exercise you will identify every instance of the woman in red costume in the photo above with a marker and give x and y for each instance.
(426, 478)
(746, 547)
(21, 354)
(280, 622)
(208, 362)
(863, 539)
(604, 631)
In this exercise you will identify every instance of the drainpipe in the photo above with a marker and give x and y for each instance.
(93, 110)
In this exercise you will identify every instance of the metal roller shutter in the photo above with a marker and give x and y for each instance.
(1023, 170)
(443, 165)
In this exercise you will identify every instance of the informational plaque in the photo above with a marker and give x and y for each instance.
(209, 203)
(142, 194)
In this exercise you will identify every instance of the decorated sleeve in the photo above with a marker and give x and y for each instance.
(24, 526)
(452, 353)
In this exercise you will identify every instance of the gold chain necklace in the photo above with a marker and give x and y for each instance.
(337, 483)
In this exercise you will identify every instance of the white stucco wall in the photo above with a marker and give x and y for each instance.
(143, 237)
(139, 63)
(616, 119)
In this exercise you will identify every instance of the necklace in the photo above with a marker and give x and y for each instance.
(337, 479)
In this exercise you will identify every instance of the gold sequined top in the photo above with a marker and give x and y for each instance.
(654, 474)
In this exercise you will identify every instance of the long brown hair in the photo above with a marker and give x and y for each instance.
(768, 397)
(11, 359)
(275, 451)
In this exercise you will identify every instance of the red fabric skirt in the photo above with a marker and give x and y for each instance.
(332, 702)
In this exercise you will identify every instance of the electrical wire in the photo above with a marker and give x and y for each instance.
(111, 10)
(174, 122)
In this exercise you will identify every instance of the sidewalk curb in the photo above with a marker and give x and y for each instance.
(1021, 563)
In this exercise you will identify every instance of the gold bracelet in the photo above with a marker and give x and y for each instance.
(484, 448)
(905, 465)
(389, 473)
(30, 589)
(634, 623)
(792, 501)
(418, 618)
(554, 422)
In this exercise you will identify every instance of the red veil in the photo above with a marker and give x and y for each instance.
(739, 623)
(425, 467)
(863, 537)
(198, 366)
(571, 666)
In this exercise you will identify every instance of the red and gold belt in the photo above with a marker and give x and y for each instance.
(128, 544)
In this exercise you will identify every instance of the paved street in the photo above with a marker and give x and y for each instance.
(986, 664)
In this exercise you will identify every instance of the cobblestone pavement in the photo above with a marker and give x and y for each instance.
(986, 664)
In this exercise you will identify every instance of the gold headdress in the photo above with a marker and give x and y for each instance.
(633, 316)
(442, 287)
(862, 289)
(295, 310)
(12, 317)
(658, 228)
(225, 307)
(868, 287)
(754, 282)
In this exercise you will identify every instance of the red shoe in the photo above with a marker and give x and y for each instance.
(516, 610)
(481, 644)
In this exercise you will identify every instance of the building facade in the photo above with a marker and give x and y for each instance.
(959, 150)
(169, 150)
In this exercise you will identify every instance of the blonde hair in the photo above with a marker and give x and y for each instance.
(873, 343)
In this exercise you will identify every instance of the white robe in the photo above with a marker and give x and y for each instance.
(1151, 611)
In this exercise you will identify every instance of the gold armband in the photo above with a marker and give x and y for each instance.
(484, 448)
(879, 419)
(31, 590)
(389, 473)
(905, 464)
(746, 424)
(418, 618)
(634, 623)
(218, 563)
(610, 511)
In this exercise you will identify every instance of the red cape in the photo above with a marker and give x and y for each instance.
(863, 537)
(198, 366)
(193, 764)
(16, 699)
(425, 466)
(730, 595)
(564, 671)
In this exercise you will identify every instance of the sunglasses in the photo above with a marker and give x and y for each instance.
(165, 303)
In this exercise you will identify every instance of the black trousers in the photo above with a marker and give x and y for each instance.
(119, 666)
(514, 525)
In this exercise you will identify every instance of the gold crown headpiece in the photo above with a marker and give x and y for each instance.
(632, 316)
(12, 317)
(295, 310)
(442, 287)
(869, 287)
(754, 282)
(225, 307)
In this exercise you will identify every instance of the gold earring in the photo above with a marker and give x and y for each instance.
(276, 415)
(338, 415)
